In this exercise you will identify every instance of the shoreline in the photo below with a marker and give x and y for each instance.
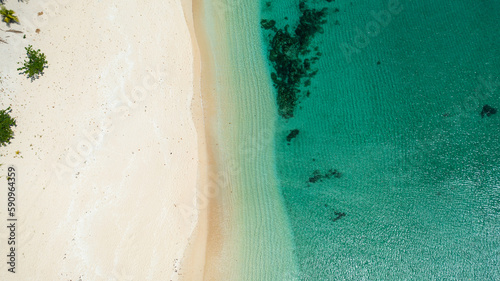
(208, 222)
(193, 264)
(209, 236)
(240, 102)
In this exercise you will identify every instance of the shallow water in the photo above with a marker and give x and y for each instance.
(251, 239)
(399, 117)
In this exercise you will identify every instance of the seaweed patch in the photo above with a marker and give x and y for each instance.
(488, 111)
(292, 57)
(318, 176)
(338, 216)
(293, 134)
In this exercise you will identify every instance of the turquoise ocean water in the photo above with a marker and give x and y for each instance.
(393, 113)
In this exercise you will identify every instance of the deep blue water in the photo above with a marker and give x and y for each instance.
(395, 112)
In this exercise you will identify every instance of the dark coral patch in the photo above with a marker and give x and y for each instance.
(338, 216)
(290, 56)
(318, 176)
(292, 135)
(488, 111)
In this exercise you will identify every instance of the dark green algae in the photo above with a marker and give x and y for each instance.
(292, 56)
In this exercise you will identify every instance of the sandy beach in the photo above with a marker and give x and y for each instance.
(108, 142)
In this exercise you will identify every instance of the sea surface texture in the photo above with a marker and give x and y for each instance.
(388, 141)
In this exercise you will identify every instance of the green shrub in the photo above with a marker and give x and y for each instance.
(6, 123)
(36, 63)
(8, 15)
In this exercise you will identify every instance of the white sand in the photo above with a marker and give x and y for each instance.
(108, 147)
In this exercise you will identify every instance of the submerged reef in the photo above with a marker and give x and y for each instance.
(292, 135)
(338, 216)
(317, 176)
(488, 111)
(268, 24)
(291, 56)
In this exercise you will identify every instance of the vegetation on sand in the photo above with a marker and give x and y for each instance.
(8, 15)
(6, 124)
(36, 63)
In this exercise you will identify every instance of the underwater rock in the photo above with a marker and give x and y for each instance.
(292, 135)
(317, 176)
(267, 24)
(488, 111)
(338, 215)
(333, 173)
(290, 57)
